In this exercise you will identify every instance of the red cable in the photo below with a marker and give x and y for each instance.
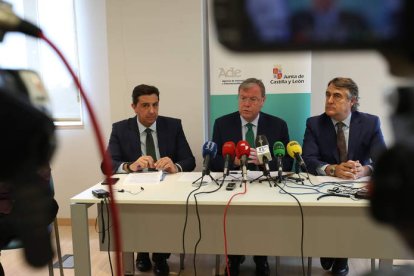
(107, 163)
(224, 224)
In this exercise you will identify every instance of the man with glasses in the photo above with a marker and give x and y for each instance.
(342, 142)
(246, 124)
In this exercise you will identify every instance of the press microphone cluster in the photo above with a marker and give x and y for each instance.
(228, 151)
(295, 151)
(279, 152)
(209, 152)
(242, 153)
(263, 153)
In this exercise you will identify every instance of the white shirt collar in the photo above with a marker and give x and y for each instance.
(255, 122)
(142, 128)
(347, 121)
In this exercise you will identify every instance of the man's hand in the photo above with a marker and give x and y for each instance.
(141, 163)
(352, 170)
(253, 157)
(166, 164)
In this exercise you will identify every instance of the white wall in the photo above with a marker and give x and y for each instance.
(123, 43)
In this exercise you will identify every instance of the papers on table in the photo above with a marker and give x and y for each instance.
(144, 178)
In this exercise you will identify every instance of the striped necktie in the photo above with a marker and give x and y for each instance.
(341, 143)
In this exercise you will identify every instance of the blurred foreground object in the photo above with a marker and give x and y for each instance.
(282, 25)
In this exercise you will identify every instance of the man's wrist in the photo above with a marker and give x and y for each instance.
(330, 170)
(127, 168)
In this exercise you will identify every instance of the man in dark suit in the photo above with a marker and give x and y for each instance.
(342, 142)
(149, 142)
(235, 127)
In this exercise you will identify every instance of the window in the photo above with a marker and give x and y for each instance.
(17, 51)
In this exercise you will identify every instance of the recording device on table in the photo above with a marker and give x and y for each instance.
(100, 193)
(282, 25)
(231, 186)
(242, 153)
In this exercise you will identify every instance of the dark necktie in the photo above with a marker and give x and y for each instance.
(149, 143)
(341, 143)
(250, 140)
(250, 135)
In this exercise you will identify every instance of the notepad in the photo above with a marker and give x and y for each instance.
(144, 178)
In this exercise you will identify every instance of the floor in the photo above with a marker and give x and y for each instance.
(14, 263)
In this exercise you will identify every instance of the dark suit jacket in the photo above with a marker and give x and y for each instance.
(229, 128)
(319, 145)
(125, 145)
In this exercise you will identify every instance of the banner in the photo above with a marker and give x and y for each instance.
(286, 76)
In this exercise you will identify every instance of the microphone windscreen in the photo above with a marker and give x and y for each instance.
(242, 148)
(229, 148)
(279, 149)
(293, 147)
(209, 148)
(261, 141)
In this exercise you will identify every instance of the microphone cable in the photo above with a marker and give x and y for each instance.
(199, 222)
(186, 216)
(107, 162)
(224, 223)
(302, 225)
(104, 229)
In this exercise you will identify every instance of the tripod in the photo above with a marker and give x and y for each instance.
(202, 176)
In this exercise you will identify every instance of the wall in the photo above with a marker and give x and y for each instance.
(159, 43)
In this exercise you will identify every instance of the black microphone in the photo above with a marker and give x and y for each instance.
(209, 152)
(263, 153)
(228, 151)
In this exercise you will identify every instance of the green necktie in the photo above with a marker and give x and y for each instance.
(149, 143)
(250, 135)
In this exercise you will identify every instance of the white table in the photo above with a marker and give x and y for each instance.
(261, 222)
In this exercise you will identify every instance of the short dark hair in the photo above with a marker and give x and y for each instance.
(352, 87)
(144, 89)
(250, 82)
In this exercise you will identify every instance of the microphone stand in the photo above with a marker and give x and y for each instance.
(205, 182)
(297, 171)
(266, 174)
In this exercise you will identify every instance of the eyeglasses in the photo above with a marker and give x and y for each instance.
(253, 100)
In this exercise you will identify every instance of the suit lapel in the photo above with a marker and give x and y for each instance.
(134, 137)
(329, 141)
(238, 134)
(162, 137)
